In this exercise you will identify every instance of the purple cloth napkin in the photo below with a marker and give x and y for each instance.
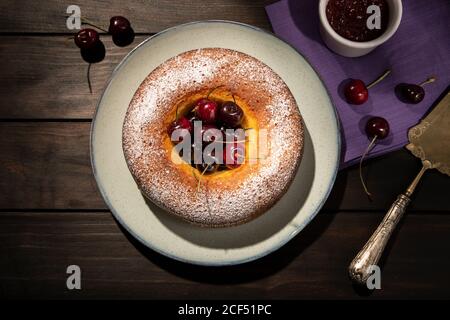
(420, 48)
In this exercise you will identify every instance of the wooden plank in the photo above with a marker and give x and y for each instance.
(145, 16)
(36, 249)
(45, 77)
(46, 166)
(387, 177)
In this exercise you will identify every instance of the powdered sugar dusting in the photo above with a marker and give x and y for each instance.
(220, 201)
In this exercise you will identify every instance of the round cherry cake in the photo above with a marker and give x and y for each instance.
(213, 136)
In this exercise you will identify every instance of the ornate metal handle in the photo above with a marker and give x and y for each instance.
(371, 252)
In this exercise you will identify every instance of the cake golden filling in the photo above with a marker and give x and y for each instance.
(200, 100)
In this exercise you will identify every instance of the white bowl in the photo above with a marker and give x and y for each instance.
(348, 48)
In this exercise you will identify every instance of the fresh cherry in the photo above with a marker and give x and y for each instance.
(86, 38)
(377, 127)
(181, 123)
(356, 91)
(118, 23)
(121, 31)
(231, 114)
(123, 38)
(413, 93)
(94, 54)
(206, 110)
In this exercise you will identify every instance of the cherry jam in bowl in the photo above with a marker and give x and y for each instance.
(354, 28)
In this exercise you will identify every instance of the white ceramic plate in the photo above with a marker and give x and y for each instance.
(173, 237)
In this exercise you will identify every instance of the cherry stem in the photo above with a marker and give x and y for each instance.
(213, 89)
(429, 80)
(88, 22)
(202, 174)
(379, 79)
(234, 99)
(89, 77)
(369, 147)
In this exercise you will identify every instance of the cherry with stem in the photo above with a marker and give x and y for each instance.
(92, 49)
(121, 31)
(413, 93)
(377, 128)
(356, 91)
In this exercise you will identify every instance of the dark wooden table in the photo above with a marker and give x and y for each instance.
(52, 214)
